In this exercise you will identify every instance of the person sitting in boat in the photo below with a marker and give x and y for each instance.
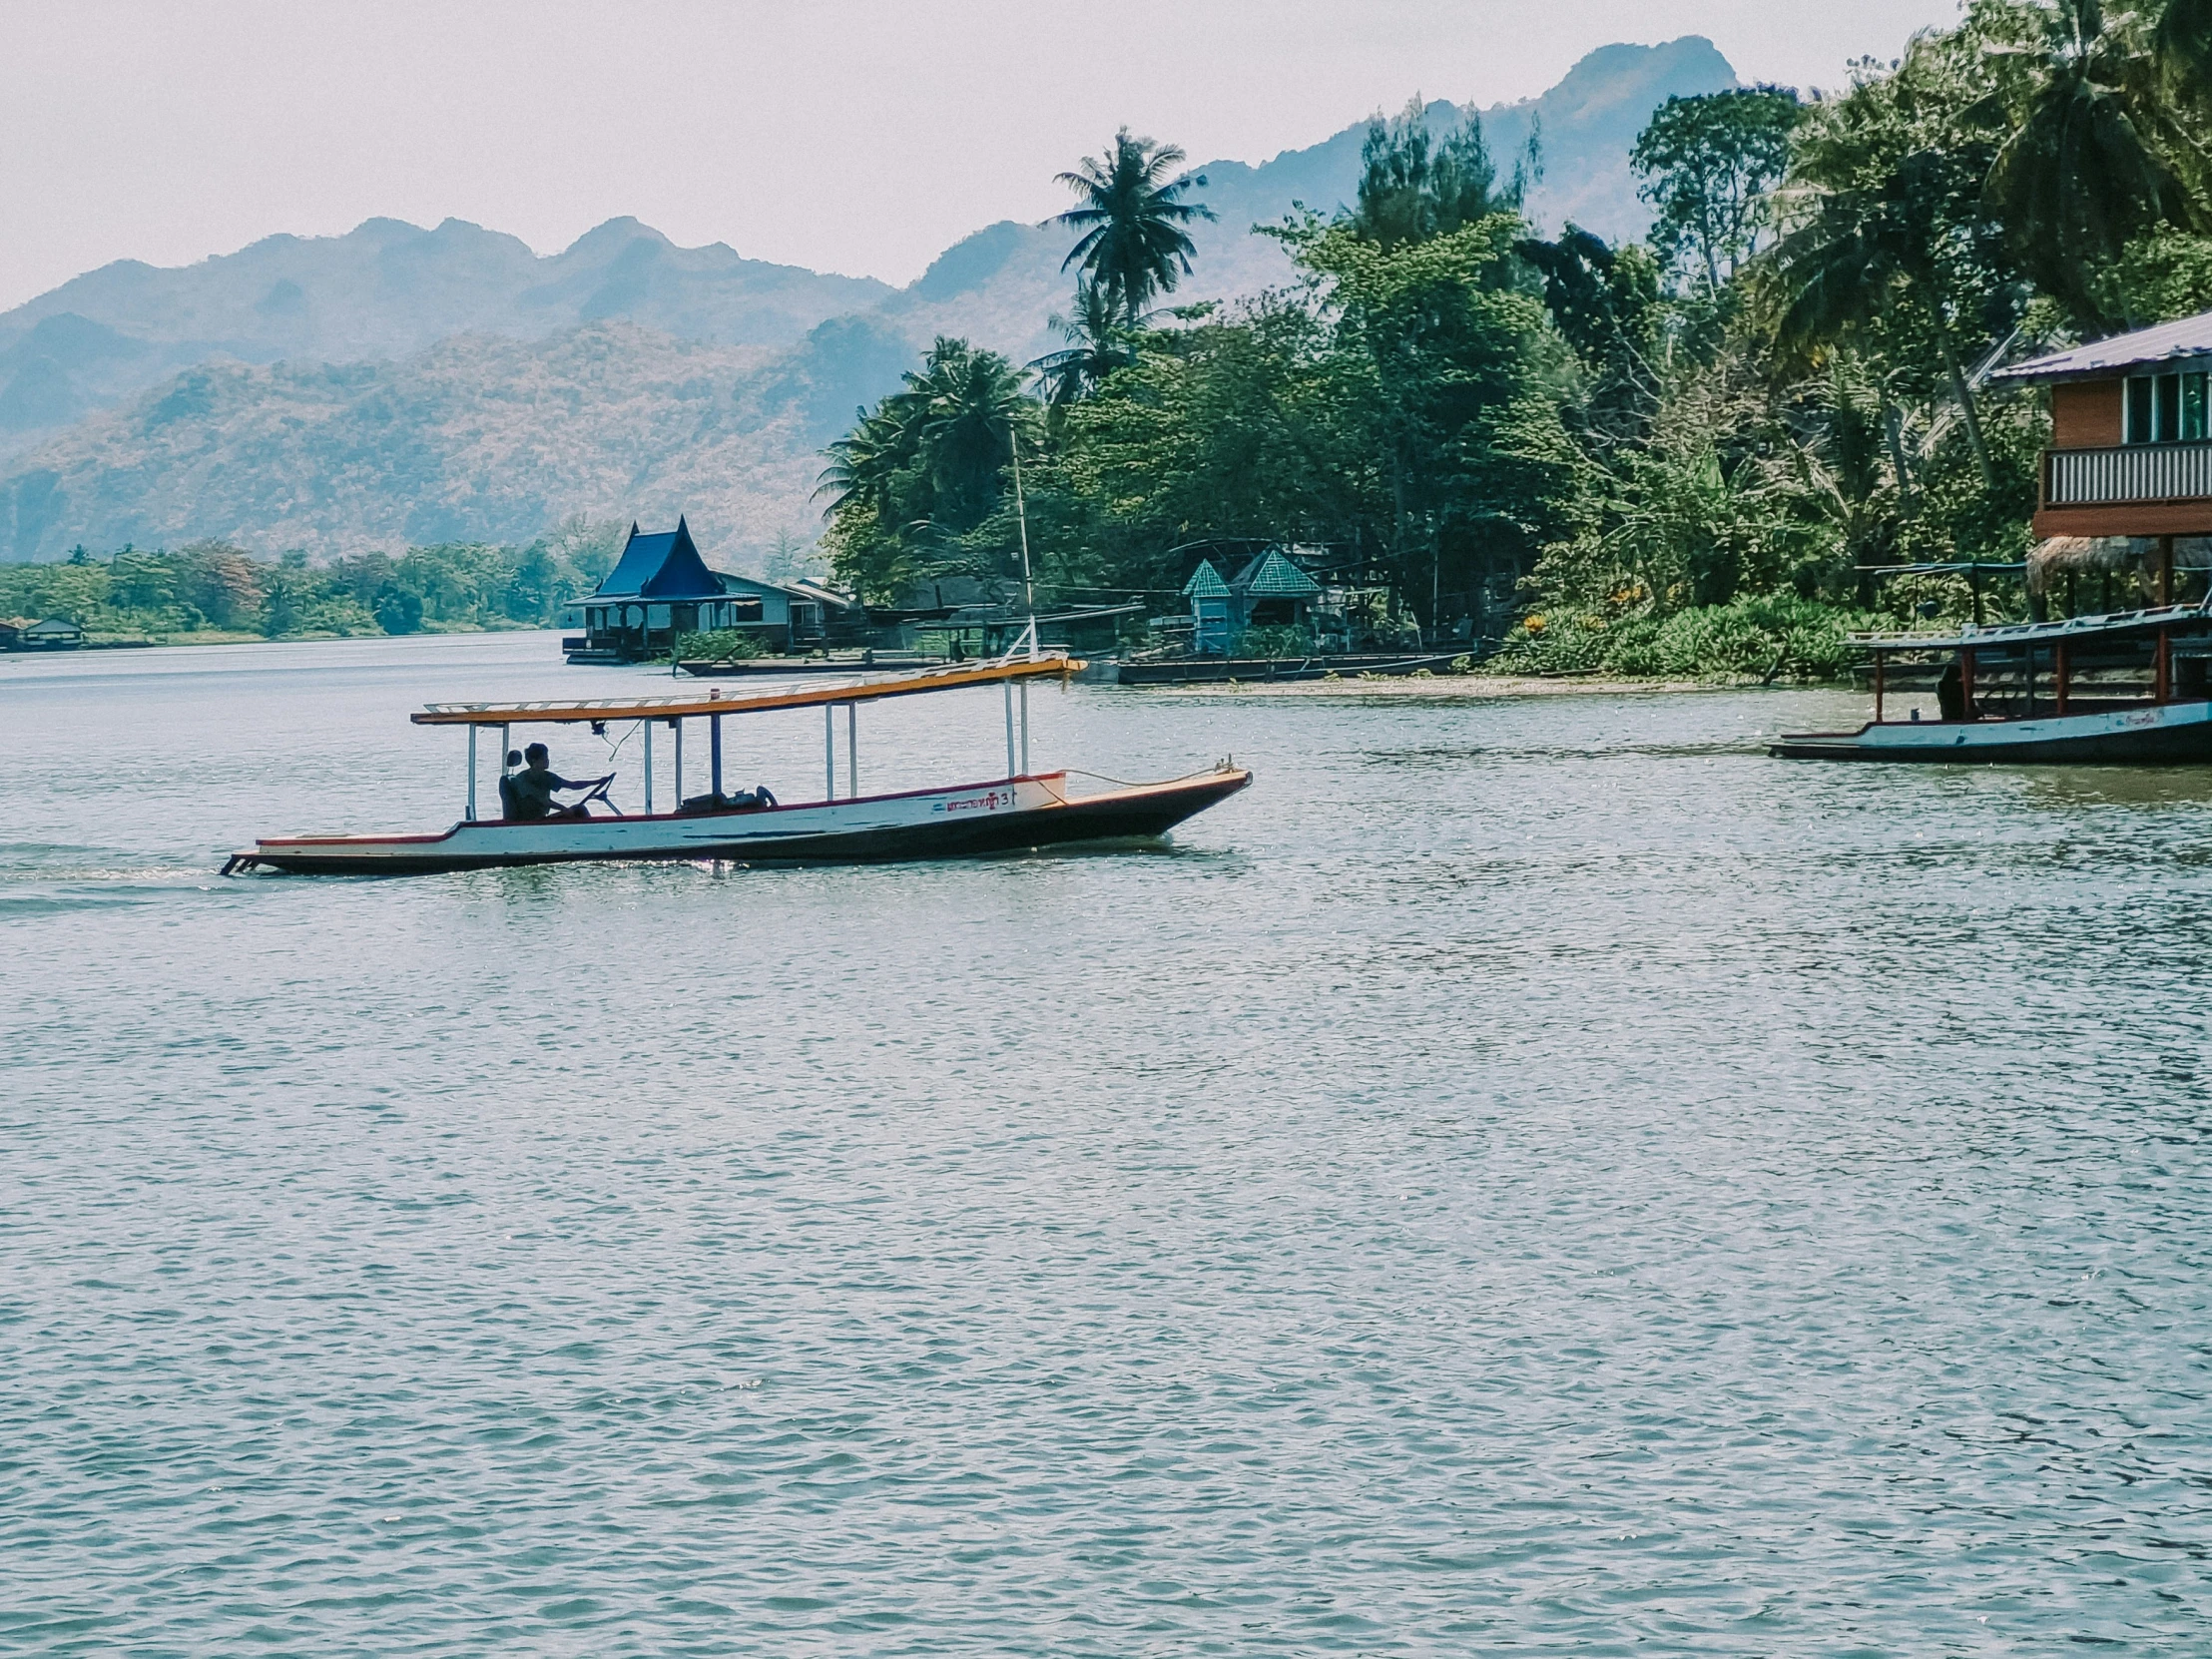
(532, 790)
(1950, 692)
(510, 808)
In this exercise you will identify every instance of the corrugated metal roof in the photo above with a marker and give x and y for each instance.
(2037, 632)
(1205, 582)
(2169, 342)
(1272, 576)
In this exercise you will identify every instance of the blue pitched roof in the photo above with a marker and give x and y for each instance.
(664, 565)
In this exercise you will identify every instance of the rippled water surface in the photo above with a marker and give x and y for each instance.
(1527, 1176)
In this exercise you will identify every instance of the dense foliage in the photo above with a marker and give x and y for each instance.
(213, 587)
(1695, 456)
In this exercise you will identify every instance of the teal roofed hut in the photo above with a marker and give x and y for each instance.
(1271, 592)
(659, 590)
(1270, 576)
(1213, 627)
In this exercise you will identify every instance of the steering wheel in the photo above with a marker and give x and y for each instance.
(598, 793)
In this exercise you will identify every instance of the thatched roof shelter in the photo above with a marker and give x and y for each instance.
(2057, 556)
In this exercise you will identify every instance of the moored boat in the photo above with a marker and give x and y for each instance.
(2125, 689)
(1023, 808)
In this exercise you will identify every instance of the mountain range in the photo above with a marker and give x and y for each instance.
(397, 384)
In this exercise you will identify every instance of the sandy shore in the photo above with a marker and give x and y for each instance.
(1450, 687)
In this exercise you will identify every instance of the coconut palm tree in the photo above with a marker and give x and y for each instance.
(1865, 247)
(1098, 338)
(972, 405)
(2092, 159)
(1131, 210)
(865, 462)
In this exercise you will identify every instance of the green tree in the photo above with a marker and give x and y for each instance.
(1606, 302)
(1460, 393)
(1131, 210)
(1098, 336)
(1413, 186)
(223, 583)
(2092, 161)
(398, 610)
(1887, 231)
(1707, 164)
(924, 469)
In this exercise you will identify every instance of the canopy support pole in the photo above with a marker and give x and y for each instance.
(472, 773)
(2163, 689)
(714, 750)
(678, 725)
(828, 752)
(1966, 686)
(2058, 679)
(648, 725)
(853, 750)
(1025, 728)
(1008, 687)
(1879, 662)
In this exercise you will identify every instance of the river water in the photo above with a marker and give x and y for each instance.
(1527, 1176)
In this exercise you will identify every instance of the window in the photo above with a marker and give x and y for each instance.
(2168, 408)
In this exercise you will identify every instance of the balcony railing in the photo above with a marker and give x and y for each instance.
(2140, 472)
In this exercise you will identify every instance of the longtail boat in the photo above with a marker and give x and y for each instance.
(2128, 688)
(1020, 809)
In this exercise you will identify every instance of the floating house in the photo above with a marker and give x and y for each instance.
(56, 633)
(2127, 480)
(661, 588)
(2126, 484)
(657, 590)
(800, 616)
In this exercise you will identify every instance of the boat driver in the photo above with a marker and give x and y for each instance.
(527, 795)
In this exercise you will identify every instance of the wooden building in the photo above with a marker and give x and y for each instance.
(56, 633)
(2131, 439)
(801, 616)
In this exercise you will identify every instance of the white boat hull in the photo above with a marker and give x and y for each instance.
(948, 822)
(2165, 734)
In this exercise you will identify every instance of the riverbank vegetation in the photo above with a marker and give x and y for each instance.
(212, 590)
(1698, 454)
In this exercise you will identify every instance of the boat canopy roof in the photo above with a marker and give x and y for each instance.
(2040, 633)
(572, 713)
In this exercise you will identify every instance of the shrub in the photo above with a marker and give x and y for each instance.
(721, 645)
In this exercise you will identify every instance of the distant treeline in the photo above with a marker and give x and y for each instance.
(211, 586)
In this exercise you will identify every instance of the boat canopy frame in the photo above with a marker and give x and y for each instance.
(1011, 672)
(2070, 644)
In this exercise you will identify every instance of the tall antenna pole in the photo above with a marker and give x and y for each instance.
(1021, 513)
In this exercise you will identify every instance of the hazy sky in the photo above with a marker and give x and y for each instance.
(860, 136)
